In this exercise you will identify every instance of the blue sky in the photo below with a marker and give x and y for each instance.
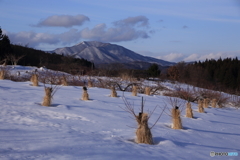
(172, 30)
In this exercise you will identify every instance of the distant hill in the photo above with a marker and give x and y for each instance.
(106, 53)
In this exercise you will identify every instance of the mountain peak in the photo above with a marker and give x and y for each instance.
(92, 43)
(106, 53)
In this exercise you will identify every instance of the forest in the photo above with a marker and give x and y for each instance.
(221, 74)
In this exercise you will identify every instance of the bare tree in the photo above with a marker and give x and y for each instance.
(14, 59)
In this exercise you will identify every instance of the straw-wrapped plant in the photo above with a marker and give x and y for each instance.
(143, 132)
(134, 90)
(2, 74)
(147, 91)
(206, 102)
(175, 112)
(34, 79)
(176, 118)
(49, 93)
(214, 103)
(47, 100)
(64, 81)
(189, 112)
(200, 106)
(85, 95)
(50, 79)
(90, 82)
(113, 92)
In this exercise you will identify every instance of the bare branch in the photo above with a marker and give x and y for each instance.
(158, 117)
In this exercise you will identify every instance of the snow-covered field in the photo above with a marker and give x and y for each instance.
(99, 129)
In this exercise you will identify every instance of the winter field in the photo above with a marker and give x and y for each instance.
(99, 129)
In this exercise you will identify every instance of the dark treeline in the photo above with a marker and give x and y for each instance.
(221, 75)
(120, 70)
(11, 54)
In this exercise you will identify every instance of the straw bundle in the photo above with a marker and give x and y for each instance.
(189, 112)
(177, 123)
(48, 97)
(147, 90)
(113, 92)
(143, 132)
(134, 90)
(85, 95)
(200, 106)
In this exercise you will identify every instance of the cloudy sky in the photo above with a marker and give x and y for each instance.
(172, 30)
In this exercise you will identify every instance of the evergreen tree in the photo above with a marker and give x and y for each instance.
(1, 35)
(5, 45)
(153, 70)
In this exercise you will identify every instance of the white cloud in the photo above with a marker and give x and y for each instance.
(32, 38)
(199, 57)
(63, 21)
(113, 34)
(172, 57)
(122, 30)
(178, 57)
(192, 57)
(140, 21)
(36, 39)
(100, 32)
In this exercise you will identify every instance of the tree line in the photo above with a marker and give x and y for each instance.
(221, 74)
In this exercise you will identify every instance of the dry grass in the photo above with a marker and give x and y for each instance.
(107, 82)
(48, 77)
(187, 94)
(126, 77)
(222, 100)
(76, 80)
(234, 101)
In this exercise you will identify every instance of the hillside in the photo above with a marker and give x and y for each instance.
(98, 129)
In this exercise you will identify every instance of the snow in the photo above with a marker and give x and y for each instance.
(102, 53)
(100, 129)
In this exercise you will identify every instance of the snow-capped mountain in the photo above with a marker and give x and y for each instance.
(106, 53)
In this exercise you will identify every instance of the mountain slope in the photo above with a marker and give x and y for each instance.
(105, 53)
